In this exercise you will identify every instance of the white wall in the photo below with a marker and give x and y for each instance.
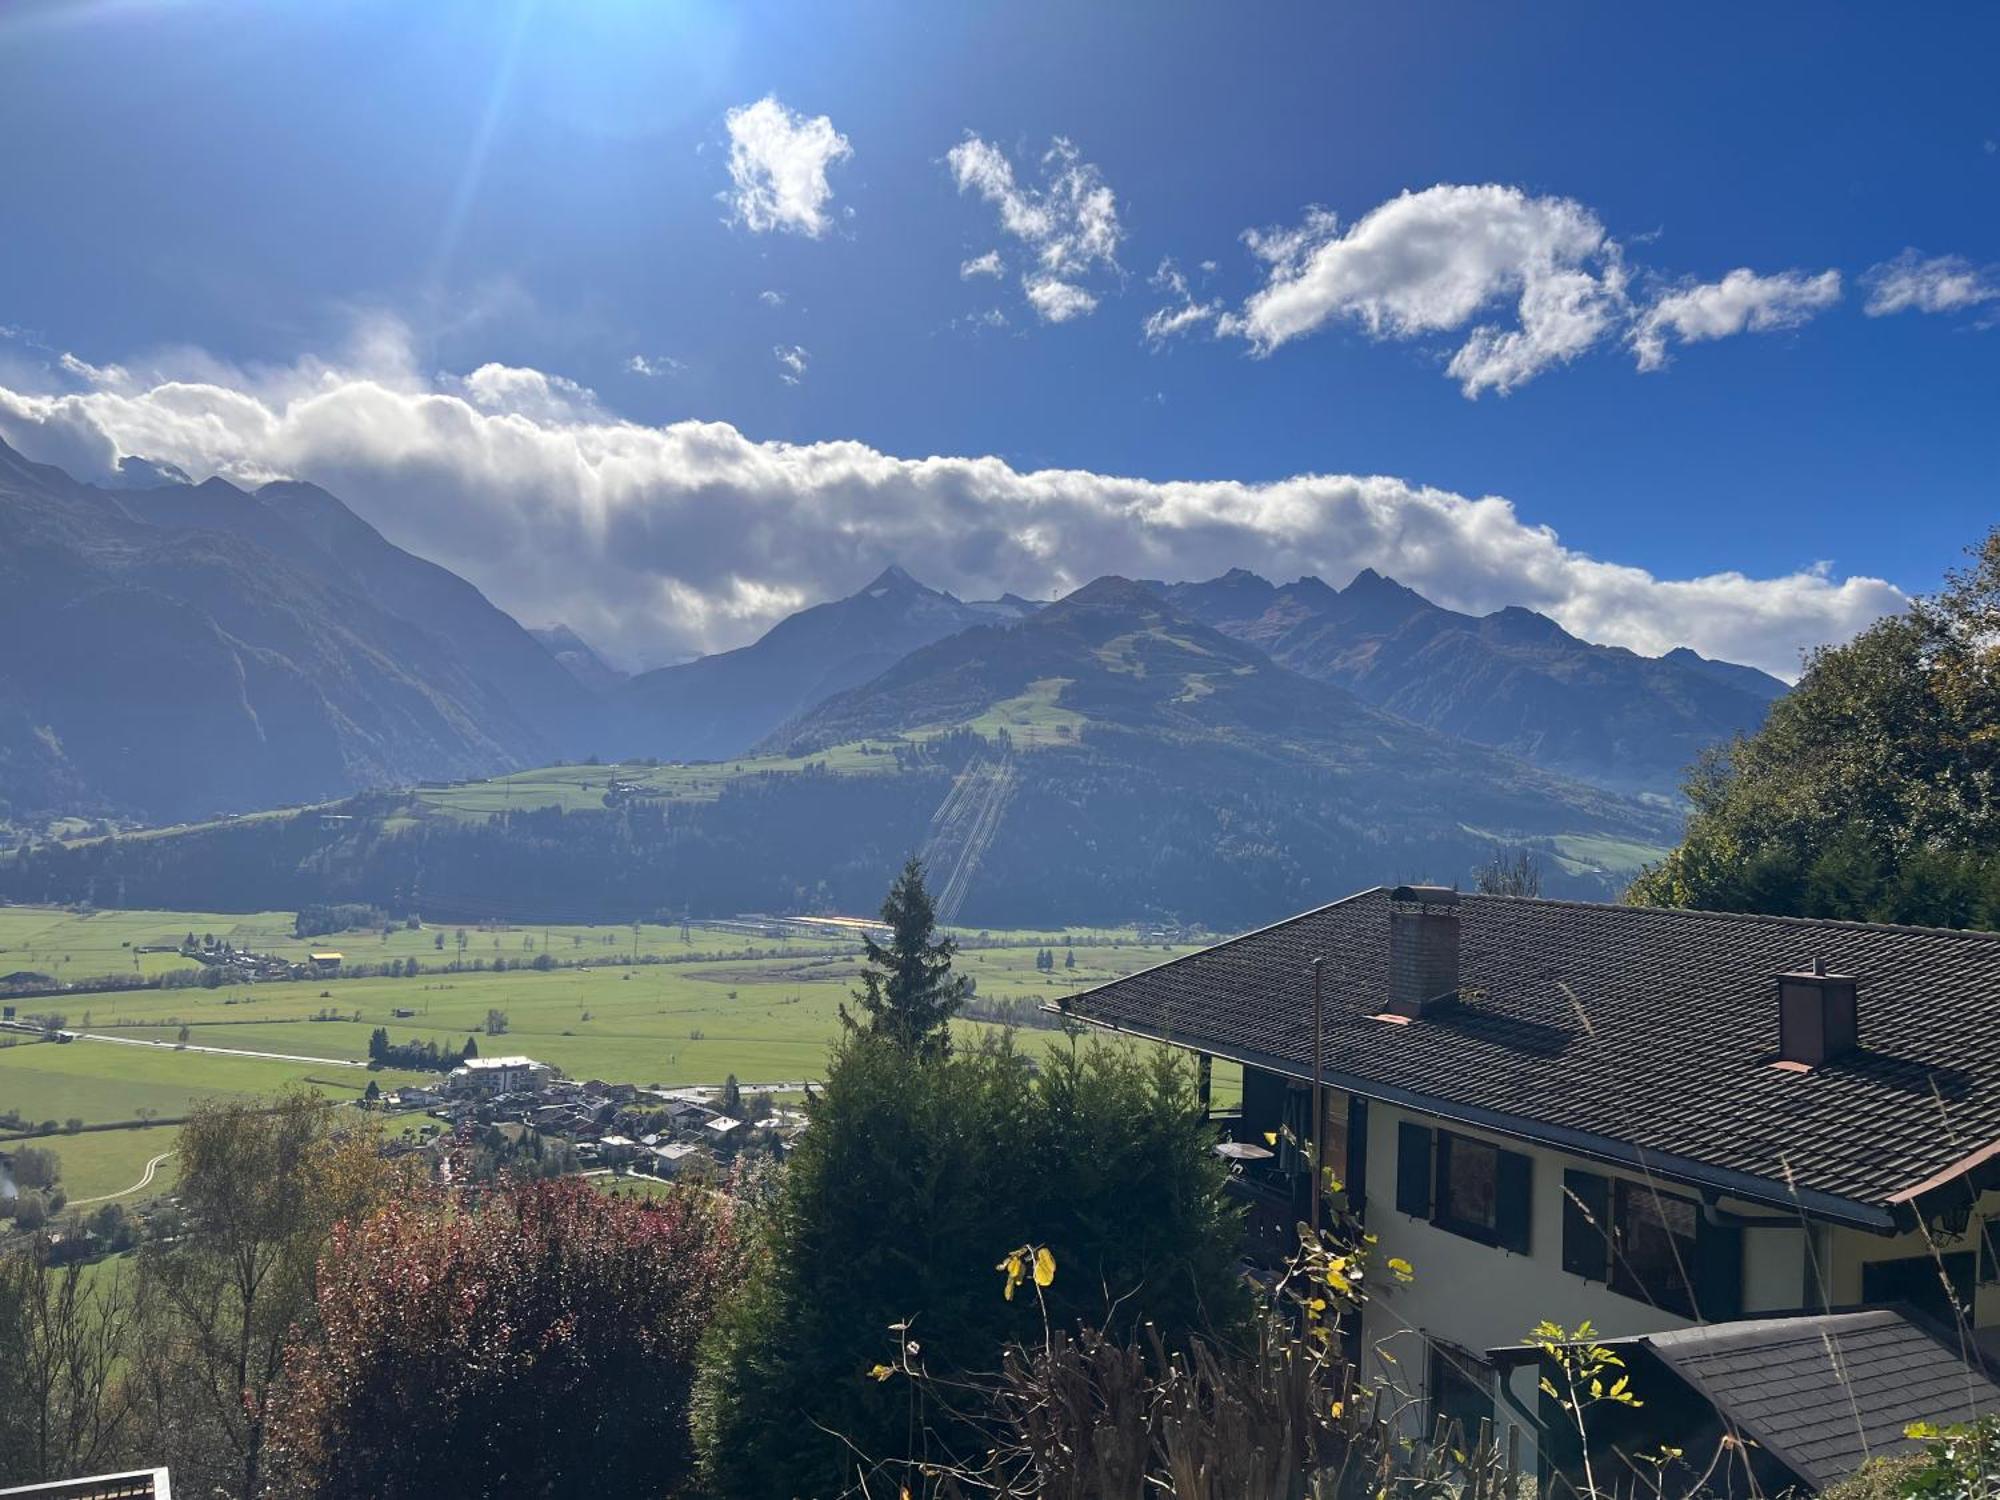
(1480, 1297)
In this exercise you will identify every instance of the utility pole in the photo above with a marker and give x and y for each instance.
(1319, 1092)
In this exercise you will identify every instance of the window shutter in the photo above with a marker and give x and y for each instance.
(1718, 1271)
(1357, 1154)
(1587, 1224)
(1514, 1202)
(1413, 1169)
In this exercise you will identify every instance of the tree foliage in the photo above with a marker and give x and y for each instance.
(262, 1187)
(538, 1341)
(913, 1174)
(908, 992)
(63, 1337)
(1873, 789)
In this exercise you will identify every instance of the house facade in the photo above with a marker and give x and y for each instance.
(1651, 1120)
(498, 1075)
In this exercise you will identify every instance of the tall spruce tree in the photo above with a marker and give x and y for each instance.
(908, 992)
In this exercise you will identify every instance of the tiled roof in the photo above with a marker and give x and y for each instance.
(1824, 1394)
(1631, 1033)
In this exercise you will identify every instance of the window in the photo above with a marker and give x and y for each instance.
(1335, 1132)
(1655, 1247)
(1661, 1248)
(1468, 1186)
(1464, 1185)
(1461, 1391)
(1938, 1288)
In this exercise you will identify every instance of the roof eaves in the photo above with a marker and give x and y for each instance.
(1875, 1218)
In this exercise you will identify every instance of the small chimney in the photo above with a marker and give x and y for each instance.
(1817, 1016)
(1423, 949)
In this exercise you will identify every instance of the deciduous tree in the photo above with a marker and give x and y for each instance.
(540, 1341)
(262, 1187)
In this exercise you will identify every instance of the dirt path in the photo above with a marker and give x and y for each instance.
(140, 1186)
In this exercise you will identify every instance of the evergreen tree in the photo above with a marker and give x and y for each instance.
(1069, 959)
(732, 1097)
(908, 992)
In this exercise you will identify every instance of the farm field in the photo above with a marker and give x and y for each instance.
(102, 1162)
(74, 946)
(732, 1001)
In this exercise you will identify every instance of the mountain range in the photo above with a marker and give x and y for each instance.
(170, 650)
(1104, 756)
(1513, 679)
(718, 706)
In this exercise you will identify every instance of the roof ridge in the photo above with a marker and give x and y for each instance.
(1777, 918)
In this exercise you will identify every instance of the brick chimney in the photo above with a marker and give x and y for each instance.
(1817, 1016)
(1423, 948)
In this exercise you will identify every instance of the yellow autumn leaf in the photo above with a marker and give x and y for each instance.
(882, 1372)
(1045, 1267)
(1270, 1137)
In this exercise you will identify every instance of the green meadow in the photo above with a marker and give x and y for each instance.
(729, 1001)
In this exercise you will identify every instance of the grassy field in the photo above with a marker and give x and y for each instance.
(101, 1162)
(732, 1001)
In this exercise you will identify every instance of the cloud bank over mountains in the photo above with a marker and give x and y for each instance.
(660, 541)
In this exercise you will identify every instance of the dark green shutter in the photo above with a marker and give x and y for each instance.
(1356, 1165)
(1413, 1169)
(1514, 1202)
(1587, 1224)
(1718, 1271)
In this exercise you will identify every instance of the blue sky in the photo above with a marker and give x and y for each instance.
(258, 197)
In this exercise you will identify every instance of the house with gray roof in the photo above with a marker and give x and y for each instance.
(1650, 1119)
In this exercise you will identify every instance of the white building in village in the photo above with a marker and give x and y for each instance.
(498, 1075)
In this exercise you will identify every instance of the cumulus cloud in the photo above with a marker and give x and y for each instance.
(792, 360)
(1446, 259)
(778, 161)
(1742, 302)
(1939, 284)
(771, 298)
(656, 541)
(1057, 301)
(1069, 223)
(988, 264)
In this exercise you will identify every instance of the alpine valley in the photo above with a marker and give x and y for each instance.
(245, 698)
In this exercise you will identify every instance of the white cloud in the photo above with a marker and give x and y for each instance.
(991, 318)
(1057, 301)
(1436, 261)
(1742, 302)
(510, 390)
(1069, 223)
(778, 162)
(655, 365)
(771, 298)
(1185, 313)
(108, 377)
(661, 540)
(792, 360)
(988, 264)
(1940, 284)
